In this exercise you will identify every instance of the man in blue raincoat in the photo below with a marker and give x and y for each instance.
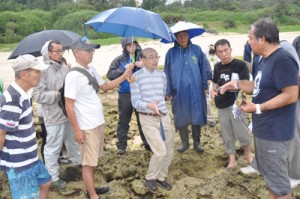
(188, 71)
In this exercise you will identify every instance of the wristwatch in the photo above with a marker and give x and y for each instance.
(258, 111)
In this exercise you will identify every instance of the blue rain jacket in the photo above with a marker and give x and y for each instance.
(187, 71)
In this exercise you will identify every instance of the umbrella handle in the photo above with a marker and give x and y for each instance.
(133, 77)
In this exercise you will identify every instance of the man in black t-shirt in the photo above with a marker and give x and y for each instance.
(232, 128)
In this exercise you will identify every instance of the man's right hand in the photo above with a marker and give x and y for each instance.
(127, 74)
(229, 86)
(213, 94)
(129, 66)
(169, 98)
(79, 137)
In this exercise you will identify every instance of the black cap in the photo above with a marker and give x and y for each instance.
(84, 44)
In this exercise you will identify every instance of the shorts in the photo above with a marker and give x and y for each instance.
(25, 184)
(271, 157)
(92, 148)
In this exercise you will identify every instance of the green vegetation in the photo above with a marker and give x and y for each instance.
(19, 18)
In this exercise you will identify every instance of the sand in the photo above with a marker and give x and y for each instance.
(104, 56)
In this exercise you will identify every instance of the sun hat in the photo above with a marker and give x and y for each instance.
(26, 61)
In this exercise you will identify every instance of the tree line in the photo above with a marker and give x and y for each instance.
(19, 18)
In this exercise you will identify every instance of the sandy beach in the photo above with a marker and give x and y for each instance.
(104, 56)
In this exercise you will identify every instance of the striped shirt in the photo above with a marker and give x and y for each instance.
(149, 87)
(16, 118)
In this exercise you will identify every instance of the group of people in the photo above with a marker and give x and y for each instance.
(185, 81)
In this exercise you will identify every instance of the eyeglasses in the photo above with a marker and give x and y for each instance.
(152, 58)
(226, 50)
(58, 52)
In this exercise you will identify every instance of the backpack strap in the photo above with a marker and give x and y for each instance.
(92, 80)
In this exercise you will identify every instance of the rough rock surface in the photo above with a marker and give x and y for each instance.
(193, 176)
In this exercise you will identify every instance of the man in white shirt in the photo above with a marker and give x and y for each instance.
(85, 110)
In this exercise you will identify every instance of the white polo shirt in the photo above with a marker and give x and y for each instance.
(88, 105)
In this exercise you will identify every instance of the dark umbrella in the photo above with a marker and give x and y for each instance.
(32, 44)
(130, 21)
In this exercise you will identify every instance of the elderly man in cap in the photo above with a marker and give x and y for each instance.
(131, 51)
(85, 110)
(59, 130)
(27, 175)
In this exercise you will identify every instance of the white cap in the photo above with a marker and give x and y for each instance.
(24, 62)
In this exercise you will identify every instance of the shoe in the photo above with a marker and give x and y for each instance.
(294, 182)
(151, 184)
(211, 124)
(64, 161)
(121, 152)
(249, 170)
(99, 191)
(184, 136)
(164, 184)
(198, 149)
(147, 147)
(58, 184)
(183, 148)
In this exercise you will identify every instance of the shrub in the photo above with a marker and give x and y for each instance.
(229, 23)
(172, 19)
(75, 22)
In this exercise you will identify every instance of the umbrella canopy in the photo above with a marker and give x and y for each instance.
(32, 44)
(194, 29)
(130, 21)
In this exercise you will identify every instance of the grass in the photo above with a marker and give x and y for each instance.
(7, 47)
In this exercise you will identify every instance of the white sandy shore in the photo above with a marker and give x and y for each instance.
(104, 56)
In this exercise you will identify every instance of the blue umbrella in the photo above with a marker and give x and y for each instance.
(130, 21)
(193, 29)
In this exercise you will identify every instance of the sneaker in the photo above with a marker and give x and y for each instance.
(58, 184)
(249, 170)
(121, 152)
(151, 184)
(164, 184)
(64, 161)
(294, 182)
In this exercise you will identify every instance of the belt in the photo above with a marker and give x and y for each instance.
(152, 114)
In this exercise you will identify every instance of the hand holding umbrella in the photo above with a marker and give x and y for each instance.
(129, 67)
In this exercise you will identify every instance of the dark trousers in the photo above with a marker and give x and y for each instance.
(125, 113)
(196, 132)
(43, 136)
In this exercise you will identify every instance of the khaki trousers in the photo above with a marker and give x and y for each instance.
(163, 151)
